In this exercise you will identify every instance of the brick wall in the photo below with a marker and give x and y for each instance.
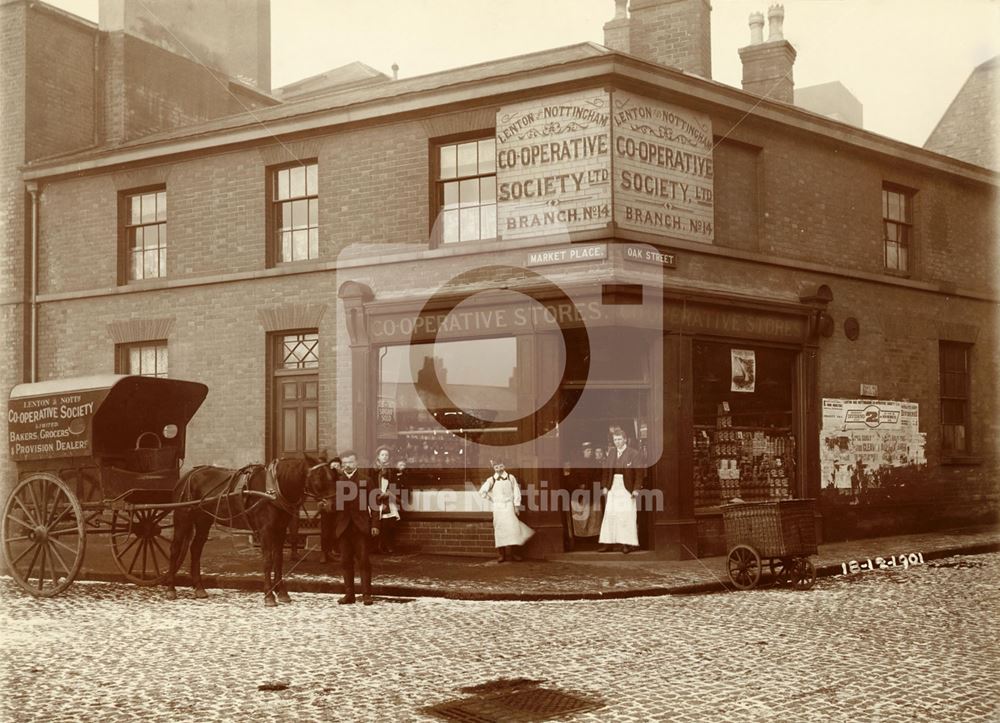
(676, 33)
(737, 192)
(60, 83)
(13, 21)
(447, 537)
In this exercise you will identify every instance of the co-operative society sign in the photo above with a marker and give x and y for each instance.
(57, 425)
(663, 168)
(553, 165)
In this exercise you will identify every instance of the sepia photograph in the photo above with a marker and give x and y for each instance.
(535, 360)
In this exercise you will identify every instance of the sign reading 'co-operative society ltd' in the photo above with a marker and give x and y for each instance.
(663, 170)
(553, 165)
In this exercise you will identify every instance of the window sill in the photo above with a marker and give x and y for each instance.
(958, 460)
(898, 274)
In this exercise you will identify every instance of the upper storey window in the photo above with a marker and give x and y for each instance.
(144, 233)
(897, 224)
(295, 212)
(466, 190)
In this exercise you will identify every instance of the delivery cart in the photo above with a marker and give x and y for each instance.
(783, 532)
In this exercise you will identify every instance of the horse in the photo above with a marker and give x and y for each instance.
(254, 497)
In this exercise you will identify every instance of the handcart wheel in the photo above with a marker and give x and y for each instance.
(744, 566)
(43, 534)
(140, 544)
(803, 575)
(781, 568)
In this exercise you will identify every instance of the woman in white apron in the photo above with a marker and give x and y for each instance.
(622, 477)
(502, 490)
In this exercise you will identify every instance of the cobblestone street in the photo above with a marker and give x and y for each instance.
(916, 644)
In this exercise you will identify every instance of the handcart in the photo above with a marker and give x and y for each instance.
(783, 532)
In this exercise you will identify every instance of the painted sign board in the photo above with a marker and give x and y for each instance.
(554, 165)
(567, 254)
(663, 169)
(56, 425)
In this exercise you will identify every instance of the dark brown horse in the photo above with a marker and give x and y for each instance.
(255, 498)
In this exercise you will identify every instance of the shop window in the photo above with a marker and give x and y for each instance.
(466, 191)
(295, 392)
(744, 441)
(428, 391)
(143, 234)
(897, 225)
(955, 384)
(294, 212)
(147, 359)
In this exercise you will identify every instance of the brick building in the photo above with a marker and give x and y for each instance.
(770, 302)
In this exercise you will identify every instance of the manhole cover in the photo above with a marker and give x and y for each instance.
(527, 704)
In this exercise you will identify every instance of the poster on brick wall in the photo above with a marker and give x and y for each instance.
(553, 165)
(860, 436)
(663, 169)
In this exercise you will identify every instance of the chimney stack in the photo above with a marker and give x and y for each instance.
(675, 33)
(767, 67)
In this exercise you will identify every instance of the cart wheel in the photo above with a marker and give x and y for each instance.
(781, 568)
(744, 567)
(803, 574)
(140, 544)
(43, 534)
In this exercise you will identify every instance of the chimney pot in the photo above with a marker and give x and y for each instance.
(775, 20)
(621, 9)
(756, 28)
(395, 71)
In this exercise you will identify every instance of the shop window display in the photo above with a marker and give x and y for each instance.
(428, 391)
(744, 444)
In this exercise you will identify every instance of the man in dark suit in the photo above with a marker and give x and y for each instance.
(355, 526)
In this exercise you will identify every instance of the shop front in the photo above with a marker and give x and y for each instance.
(715, 392)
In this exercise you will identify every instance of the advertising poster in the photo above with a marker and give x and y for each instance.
(744, 364)
(860, 436)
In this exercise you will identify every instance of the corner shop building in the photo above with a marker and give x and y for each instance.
(567, 169)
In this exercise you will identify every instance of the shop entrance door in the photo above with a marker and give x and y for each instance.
(600, 409)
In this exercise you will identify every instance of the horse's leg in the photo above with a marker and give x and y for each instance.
(279, 558)
(293, 530)
(182, 535)
(202, 524)
(266, 536)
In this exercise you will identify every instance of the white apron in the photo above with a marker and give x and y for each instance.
(505, 496)
(619, 525)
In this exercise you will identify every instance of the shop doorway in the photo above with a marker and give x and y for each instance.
(585, 444)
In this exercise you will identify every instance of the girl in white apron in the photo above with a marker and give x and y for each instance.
(502, 490)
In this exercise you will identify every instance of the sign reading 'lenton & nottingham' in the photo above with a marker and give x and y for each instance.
(663, 171)
(553, 165)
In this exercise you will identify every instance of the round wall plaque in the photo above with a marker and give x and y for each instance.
(852, 329)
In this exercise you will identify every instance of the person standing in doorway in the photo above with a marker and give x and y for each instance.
(621, 481)
(586, 510)
(509, 532)
(356, 526)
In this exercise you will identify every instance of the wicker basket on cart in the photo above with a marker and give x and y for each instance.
(153, 459)
(782, 531)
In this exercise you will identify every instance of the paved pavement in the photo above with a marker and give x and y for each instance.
(231, 561)
(897, 645)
